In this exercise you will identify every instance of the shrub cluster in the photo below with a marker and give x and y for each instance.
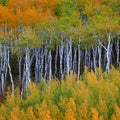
(94, 97)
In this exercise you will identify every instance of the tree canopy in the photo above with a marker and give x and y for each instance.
(76, 18)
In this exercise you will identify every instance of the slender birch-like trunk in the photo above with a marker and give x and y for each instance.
(78, 71)
(50, 65)
(5, 63)
(27, 66)
(85, 62)
(2, 66)
(118, 53)
(108, 54)
(26, 71)
(89, 60)
(70, 55)
(61, 59)
(41, 64)
(23, 82)
(66, 60)
(46, 64)
(20, 69)
(94, 49)
(104, 58)
(56, 59)
(36, 65)
(99, 54)
(9, 68)
(75, 61)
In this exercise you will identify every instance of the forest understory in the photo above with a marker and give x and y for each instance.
(49, 40)
(93, 97)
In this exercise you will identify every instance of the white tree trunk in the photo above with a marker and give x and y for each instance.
(78, 71)
(108, 54)
(118, 53)
(39, 58)
(19, 65)
(46, 64)
(2, 67)
(89, 60)
(94, 57)
(66, 60)
(41, 64)
(99, 53)
(56, 59)
(61, 59)
(70, 56)
(75, 61)
(85, 64)
(36, 65)
(27, 66)
(9, 68)
(50, 65)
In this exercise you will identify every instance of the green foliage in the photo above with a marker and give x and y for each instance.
(3, 2)
(80, 20)
(29, 39)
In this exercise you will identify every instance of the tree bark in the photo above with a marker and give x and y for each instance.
(99, 54)
(56, 59)
(61, 60)
(118, 53)
(94, 49)
(20, 69)
(78, 71)
(75, 61)
(70, 56)
(11, 78)
(46, 64)
(108, 54)
(50, 65)
(36, 65)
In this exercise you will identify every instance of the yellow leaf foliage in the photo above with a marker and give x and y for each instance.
(88, 99)
(116, 115)
(95, 115)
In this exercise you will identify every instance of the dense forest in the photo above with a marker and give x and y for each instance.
(41, 40)
(44, 41)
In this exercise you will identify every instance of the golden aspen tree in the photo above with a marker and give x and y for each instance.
(116, 114)
(19, 4)
(95, 115)
(71, 110)
(31, 17)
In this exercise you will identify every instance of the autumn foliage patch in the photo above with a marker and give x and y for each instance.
(91, 98)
